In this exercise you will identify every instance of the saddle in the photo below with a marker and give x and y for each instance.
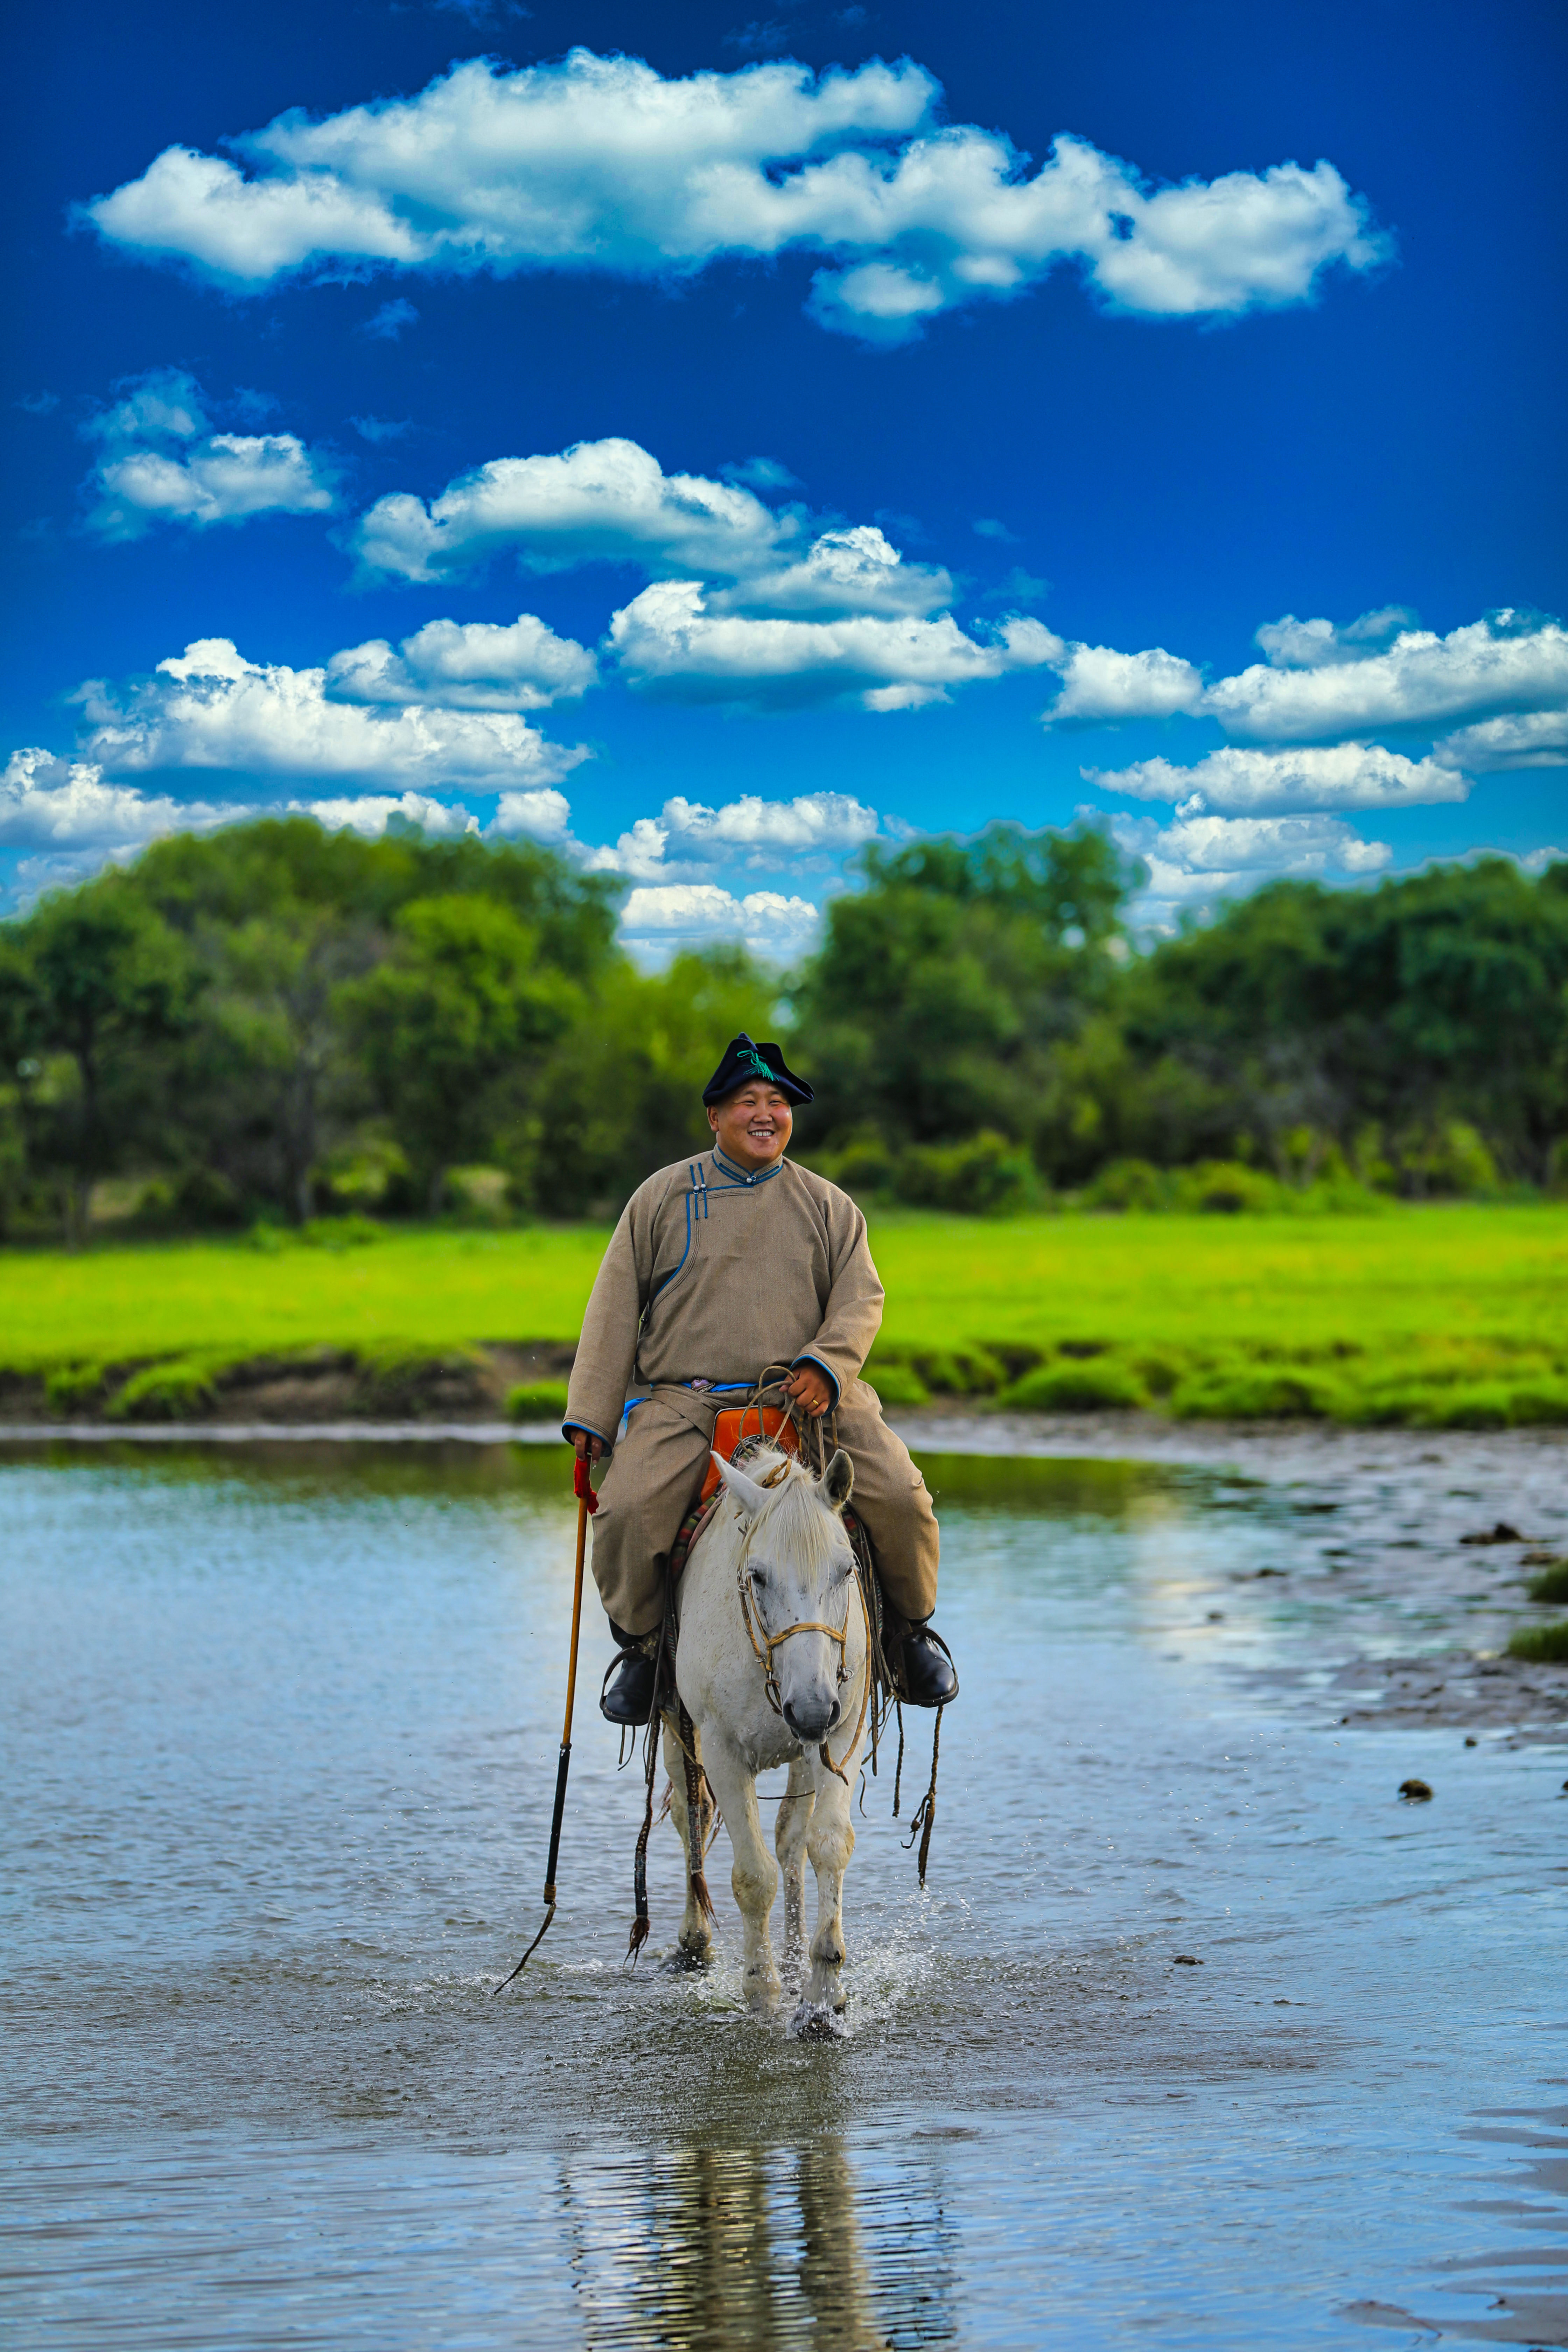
(772, 1424)
(731, 1435)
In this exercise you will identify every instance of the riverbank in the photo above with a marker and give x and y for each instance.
(1446, 1317)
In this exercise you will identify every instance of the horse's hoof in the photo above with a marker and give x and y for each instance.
(686, 1961)
(814, 2022)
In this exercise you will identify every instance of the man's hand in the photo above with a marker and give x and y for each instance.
(585, 1445)
(810, 1386)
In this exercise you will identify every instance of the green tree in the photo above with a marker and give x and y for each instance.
(281, 914)
(277, 1059)
(944, 993)
(453, 1023)
(621, 1094)
(1436, 997)
(98, 980)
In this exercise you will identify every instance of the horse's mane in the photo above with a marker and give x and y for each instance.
(795, 1512)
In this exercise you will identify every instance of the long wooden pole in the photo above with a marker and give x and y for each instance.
(588, 1502)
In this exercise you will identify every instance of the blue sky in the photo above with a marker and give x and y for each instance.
(709, 442)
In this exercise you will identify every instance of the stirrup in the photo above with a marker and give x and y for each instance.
(629, 1702)
(947, 1690)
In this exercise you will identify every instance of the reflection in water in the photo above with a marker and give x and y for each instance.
(758, 2249)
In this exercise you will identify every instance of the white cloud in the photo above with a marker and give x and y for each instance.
(1322, 776)
(66, 805)
(1291, 644)
(639, 854)
(466, 665)
(760, 474)
(667, 640)
(852, 570)
(611, 501)
(686, 834)
(599, 501)
(162, 463)
(545, 814)
(387, 323)
(674, 913)
(370, 813)
(1100, 684)
(210, 709)
(1537, 739)
(1200, 860)
(1506, 675)
(1506, 662)
(1252, 844)
(601, 164)
(831, 821)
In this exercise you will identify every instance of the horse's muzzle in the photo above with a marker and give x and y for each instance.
(811, 1724)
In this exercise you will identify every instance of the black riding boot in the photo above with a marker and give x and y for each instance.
(627, 1696)
(929, 1677)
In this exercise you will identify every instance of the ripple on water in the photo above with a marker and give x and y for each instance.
(279, 1743)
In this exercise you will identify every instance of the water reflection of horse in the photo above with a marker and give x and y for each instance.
(771, 1667)
(757, 2250)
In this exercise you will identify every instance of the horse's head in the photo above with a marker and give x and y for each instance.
(799, 1570)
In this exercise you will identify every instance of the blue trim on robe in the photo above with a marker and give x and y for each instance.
(738, 1175)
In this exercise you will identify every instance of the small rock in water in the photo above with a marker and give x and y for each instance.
(1541, 1557)
(1186, 1961)
(1415, 1793)
(1470, 1738)
(1501, 1533)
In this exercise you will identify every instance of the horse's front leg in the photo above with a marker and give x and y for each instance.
(755, 1878)
(789, 1844)
(830, 1842)
(694, 1943)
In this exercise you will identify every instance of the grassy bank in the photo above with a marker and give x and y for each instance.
(1451, 1315)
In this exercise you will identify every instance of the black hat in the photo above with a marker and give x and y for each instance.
(744, 1061)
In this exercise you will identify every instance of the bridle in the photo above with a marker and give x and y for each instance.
(765, 1646)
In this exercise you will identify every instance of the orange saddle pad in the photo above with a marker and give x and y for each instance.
(736, 1421)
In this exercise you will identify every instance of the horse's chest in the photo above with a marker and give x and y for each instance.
(767, 1750)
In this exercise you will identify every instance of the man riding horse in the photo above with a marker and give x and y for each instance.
(719, 1267)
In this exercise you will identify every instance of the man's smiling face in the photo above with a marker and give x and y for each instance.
(752, 1127)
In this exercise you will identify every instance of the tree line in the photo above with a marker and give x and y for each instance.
(273, 1022)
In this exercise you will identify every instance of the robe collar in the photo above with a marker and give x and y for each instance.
(736, 1175)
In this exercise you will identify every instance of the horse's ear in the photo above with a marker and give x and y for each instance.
(746, 1491)
(837, 1479)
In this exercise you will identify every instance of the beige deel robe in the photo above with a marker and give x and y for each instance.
(712, 1275)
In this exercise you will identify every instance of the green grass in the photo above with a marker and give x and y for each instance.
(537, 1401)
(1540, 1645)
(1446, 1316)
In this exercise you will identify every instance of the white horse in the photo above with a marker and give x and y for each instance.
(772, 1666)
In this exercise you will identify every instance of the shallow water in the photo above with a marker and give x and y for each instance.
(279, 1728)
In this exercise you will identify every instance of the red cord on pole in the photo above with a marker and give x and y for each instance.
(581, 1485)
